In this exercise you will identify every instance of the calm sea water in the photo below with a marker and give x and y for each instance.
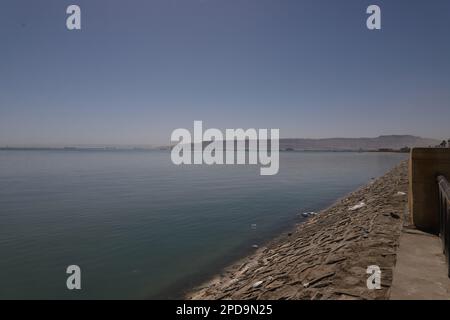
(140, 227)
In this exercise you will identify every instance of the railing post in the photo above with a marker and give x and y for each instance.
(441, 218)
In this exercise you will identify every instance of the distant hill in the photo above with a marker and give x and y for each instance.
(382, 142)
(394, 142)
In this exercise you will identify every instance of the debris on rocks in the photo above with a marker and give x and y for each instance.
(308, 214)
(357, 206)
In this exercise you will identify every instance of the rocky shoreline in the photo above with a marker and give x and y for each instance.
(327, 256)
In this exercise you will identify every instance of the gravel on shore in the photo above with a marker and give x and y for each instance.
(327, 256)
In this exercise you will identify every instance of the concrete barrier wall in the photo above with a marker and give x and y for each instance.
(424, 167)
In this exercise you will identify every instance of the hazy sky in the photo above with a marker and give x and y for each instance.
(139, 69)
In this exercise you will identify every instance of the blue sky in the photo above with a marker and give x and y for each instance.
(140, 69)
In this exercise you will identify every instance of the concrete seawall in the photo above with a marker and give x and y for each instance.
(327, 256)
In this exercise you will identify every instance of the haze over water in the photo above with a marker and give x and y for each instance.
(140, 227)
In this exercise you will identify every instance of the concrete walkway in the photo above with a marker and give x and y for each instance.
(420, 272)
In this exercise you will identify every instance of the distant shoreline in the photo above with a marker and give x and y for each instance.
(168, 149)
(76, 149)
(385, 143)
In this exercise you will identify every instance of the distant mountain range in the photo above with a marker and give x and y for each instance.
(394, 142)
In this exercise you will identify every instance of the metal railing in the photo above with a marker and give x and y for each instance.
(444, 217)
